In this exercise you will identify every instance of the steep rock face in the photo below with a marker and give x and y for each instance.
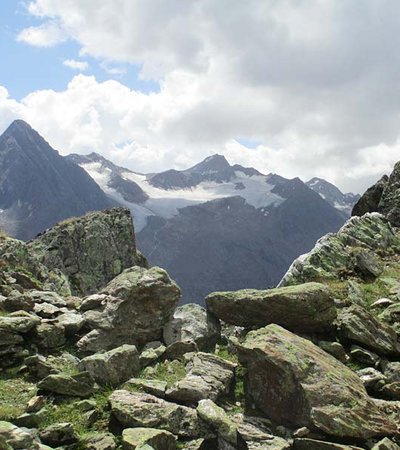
(132, 309)
(38, 187)
(295, 382)
(369, 201)
(306, 307)
(335, 253)
(383, 197)
(91, 250)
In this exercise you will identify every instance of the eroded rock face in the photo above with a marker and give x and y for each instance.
(306, 307)
(91, 250)
(133, 409)
(296, 383)
(369, 201)
(137, 304)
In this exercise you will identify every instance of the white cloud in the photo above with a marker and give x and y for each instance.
(316, 82)
(76, 65)
(48, 34)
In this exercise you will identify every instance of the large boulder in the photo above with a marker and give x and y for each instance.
(134, 409)
(137, 304)
(296, 383)
(79, 385)
(191, 322)
(113, 367)
(91, 250)
(355, 324)
(308, 307)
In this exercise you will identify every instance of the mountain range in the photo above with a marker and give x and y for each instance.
(214, 226)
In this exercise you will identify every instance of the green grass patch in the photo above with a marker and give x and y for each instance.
(223, 352)
(14, 395)
(169, 371)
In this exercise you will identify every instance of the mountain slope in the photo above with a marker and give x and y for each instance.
(38, 187)
(333, 195)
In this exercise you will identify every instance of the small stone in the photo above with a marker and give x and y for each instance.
(372, 379)
(151, 355)
(382, 303)
(301, 432)
(134, 438)
(35, 403)
(101, 441)
(335, 349)
(59, 434)
(364, 356)
(391, 391)
(386, 444)
(154, 387)
(178, 349)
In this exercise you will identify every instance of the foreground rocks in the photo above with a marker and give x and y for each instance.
(307, 307)
(134, 307)
(296, 383)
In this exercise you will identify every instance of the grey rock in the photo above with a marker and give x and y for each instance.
(59, 434)
(71, 322)
(335, 349)
(139, 302)
(153, 387)
(306, 307)
(208, 376)
(50, 335)
(296, 383)
(101, 441)
(19, 322)
(314, 444)
(134, 438)
(367, 265)
(113, 367)
(369, 201)
(191, 322)
(91, 250)
(392, 371)
(364, 356)
(372, 379)
(133, 409)
(151, 355)
(386, 444)
(178, 349)
(80, 385)
(357, 325)
(46, 310)
(17, 438)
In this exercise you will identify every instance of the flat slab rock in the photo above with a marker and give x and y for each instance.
(135, 438)
(133, 409)
(296, 383)
(305, 307)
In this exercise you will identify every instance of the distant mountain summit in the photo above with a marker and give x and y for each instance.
(38, 187)
(334, 196)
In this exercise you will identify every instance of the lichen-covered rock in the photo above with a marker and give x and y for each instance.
(20, 322)
(392, 371)
(357, 325)
(208, 376)
(133, 409)
(372, 379)
(385, 444)
(17, 438)
(218, 419)
(191, 322)
(80, 385)
(139, 302)
(306, 307)
(134, 438)
(296, 383)
(101, 441)
(113, 367)
(91, 250)
(153, 387)
(333, 252)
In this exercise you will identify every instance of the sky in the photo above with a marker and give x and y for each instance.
(295, 87)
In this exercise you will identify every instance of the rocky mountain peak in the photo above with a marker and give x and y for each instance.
(213, 163)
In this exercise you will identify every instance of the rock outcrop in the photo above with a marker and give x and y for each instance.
(91, 250)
